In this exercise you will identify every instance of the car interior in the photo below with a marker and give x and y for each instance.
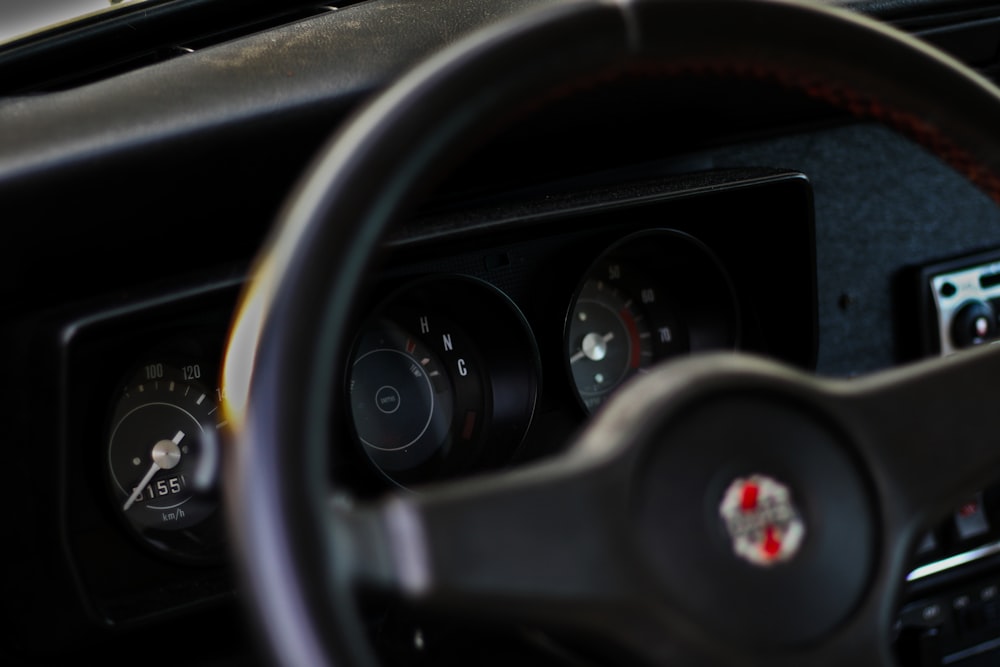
(468, 332)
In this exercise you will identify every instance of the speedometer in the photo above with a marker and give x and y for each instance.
(161, 444)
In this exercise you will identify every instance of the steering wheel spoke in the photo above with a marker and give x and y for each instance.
(932, 433)
(545, 544)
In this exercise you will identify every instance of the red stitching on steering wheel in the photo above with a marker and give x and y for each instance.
(836, 95)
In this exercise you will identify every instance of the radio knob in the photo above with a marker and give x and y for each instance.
(973, 324)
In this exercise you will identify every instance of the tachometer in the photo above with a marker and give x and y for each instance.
(652, 296)
(611, 337)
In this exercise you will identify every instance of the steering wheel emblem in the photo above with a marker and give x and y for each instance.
(763, 523)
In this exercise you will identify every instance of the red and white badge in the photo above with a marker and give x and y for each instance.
(763, 523)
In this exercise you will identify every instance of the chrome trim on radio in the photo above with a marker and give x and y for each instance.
(951, 562)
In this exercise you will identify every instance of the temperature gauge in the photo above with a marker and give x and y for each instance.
(442, 380)
(402, 397)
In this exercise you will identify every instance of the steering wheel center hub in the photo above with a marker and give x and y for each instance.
(751, 502)
(763, 522)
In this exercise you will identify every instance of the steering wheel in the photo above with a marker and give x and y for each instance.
(723, 509)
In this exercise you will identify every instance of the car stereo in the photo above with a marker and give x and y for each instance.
(951, 607)
(961, 303)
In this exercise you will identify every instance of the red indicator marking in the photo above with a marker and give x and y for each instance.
(470, 425)
(968, 509)
(749, 499)
(410, 346)
(633, 336)
(772, 545)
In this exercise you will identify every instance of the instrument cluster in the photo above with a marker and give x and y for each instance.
(479, 350)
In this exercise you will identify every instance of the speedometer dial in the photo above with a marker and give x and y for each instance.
(152, 456)
(161, 445)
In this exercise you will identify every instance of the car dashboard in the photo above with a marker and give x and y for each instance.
(504, 311)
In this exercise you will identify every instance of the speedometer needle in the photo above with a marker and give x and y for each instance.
(166, 454)
(595, 347)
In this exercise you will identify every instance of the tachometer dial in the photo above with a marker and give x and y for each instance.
(649, 297)
(609, 340)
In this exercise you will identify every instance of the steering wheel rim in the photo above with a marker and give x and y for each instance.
(306, 282)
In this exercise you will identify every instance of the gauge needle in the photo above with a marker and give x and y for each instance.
(595, 347)
(166, 454)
